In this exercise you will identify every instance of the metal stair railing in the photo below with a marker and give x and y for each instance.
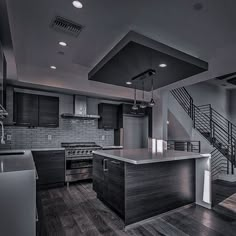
(219, 131)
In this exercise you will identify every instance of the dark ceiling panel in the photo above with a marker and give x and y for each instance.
(134, 58)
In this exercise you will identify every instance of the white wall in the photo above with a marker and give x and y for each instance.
(205, 93)
(232, 106)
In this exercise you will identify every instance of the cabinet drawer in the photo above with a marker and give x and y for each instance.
(51, 176)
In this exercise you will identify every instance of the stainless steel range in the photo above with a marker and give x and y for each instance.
(79, 160)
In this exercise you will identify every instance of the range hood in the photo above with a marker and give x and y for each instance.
(79, 109)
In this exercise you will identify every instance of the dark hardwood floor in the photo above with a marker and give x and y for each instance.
(221, 190)
(77, 212)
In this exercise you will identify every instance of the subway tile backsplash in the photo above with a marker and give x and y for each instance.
(70, 130)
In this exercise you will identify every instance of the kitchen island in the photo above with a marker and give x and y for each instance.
(138, 184)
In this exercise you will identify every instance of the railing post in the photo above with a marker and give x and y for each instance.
(211, 133)
(191, 108)
(199, 145)
(194, 126)
(227, 166)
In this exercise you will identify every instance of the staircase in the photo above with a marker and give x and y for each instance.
(217, 130)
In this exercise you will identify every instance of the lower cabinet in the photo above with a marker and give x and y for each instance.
(108, 182)
(50, 166)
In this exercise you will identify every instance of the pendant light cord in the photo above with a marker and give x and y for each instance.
(152, 88)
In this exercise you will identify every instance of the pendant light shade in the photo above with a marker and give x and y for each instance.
(152, 102)
(135, 107)
(143, 103)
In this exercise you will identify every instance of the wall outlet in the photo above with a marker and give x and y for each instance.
(103, 137)
(49, 137)
(8, 137)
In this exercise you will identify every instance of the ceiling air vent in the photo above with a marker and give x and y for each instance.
(66, 26)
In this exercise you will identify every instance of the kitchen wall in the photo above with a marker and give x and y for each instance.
(68, 131)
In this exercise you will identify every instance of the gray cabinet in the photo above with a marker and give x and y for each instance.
(108, 116)
(50, 166)
(48, 111)
(26, 109)
(32, 110)
(108, 182)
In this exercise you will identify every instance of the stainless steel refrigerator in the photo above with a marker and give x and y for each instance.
(135, 132)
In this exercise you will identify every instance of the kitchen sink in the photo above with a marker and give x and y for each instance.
(11, 153)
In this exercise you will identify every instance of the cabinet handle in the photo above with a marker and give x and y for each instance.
(105, 169)
(115, 162)
(37, 216)
(36, 174)
(24, 123)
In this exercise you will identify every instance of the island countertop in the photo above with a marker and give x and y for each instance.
(145, 156)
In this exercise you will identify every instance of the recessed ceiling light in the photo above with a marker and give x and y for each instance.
(53, 67)
(128, 83)
(198, 6)
(64, 44)
(162, 65)
(77, 4)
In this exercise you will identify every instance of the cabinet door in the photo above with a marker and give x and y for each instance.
(50, 166)
(115, 183)
(26, 109)
(98, 175)
(109, 116)
(48, 111)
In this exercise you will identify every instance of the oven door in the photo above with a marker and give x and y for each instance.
(79, 170)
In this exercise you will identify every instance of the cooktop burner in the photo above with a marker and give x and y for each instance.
(80, 149)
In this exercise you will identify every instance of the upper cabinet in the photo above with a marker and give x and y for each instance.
(36, 110)
(26, 109)
(48, 111)
(108, 116)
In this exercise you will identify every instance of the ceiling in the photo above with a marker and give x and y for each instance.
(135, 55)
(175, 23)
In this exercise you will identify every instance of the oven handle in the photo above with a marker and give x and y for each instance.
(105, 168)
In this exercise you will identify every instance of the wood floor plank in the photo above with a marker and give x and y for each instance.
(189, 225)
(165, 228)
(212, 220)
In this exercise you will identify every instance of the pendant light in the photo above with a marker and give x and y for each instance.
(152, 102)
(135, 107)
(143, 103)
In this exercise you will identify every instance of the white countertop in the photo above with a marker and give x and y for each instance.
(145, 156)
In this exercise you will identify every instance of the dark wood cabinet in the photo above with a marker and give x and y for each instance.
(32, 110)
(26, 109)
(50, 166)
(108, 182)
(108, 116)
(48, 111)
(115, 184)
